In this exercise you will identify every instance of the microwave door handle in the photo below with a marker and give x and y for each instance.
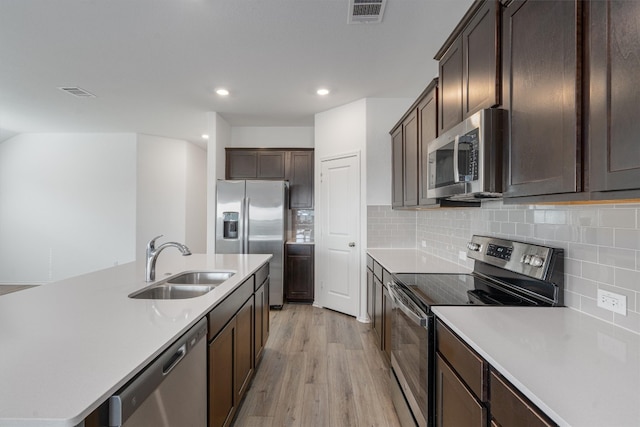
(456, 153)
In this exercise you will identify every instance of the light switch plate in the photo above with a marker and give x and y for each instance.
(612, 302)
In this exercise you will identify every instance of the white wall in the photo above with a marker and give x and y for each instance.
(171, 182)
(219, 137)
(382, 114)
(67, 205)
(266, 137)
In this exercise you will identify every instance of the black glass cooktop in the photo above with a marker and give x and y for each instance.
(457, 289)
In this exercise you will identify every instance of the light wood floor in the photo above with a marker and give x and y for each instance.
(320, 368)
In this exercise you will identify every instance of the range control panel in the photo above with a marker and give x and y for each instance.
(520, 257)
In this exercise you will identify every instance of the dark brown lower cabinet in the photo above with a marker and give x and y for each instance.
(261, 316)
(455, 404)
(244, 349)
(221, 374)
(387, 315)
(467, 395)
(510, 409)
(377, 309)
(298, 284)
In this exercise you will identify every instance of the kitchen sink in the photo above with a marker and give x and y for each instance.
(185, 285)
(201, 277)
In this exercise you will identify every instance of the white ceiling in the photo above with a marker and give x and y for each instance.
(153, 64)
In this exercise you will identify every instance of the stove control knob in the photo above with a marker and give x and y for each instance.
(536, 261)
(472, 246)
(526, 259)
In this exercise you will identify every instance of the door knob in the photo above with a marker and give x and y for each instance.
(352, 244)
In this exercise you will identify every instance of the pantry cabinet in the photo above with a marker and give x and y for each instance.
(614, 109)
(542, 80)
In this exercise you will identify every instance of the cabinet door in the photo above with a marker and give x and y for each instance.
(428, 131)
(221, 377)
(541, 81)
(370, 294)
(387, 316)
(614, 94)
(299, 273)
(481, 74)
(300, 176)
(410, 159)
(510, 409)
(450, 82)
(259, 317)
(377, 310)
(241, 164)
(271, 164)
(397, 173)
(244, 350)
(455, 404)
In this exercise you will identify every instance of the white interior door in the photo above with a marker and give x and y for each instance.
(339, 245)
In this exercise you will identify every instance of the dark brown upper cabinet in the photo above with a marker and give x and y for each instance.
(614, 110)
(469, 65)
(541, 90)
(427, 132)
(410, 159)
(397, 173)
(255, 164)
(300, 176)
(295, 166)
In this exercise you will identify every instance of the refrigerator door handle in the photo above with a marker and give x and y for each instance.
(245, 218)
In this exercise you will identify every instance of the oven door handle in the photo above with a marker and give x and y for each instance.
(415, 316)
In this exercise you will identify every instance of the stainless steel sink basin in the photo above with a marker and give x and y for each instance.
(201, 277)
(185, 285)
(168, 291)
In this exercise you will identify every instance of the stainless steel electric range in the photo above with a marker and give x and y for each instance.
(505, 273)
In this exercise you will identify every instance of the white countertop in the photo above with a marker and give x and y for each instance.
(413, 261)
(65, 347)
(577, 369)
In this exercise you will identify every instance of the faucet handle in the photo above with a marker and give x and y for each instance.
(152, 243)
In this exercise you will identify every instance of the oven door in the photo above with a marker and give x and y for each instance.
(411, 360)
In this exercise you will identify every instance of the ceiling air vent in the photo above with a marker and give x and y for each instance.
(366, 11)
(76, 91)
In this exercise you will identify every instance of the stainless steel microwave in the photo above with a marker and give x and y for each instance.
(465, 163)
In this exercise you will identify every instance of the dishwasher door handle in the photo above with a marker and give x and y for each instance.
(175, 359)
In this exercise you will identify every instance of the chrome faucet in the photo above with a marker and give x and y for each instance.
(153, 252)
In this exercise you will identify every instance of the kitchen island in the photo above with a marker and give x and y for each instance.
(578, 370)
(69, 345)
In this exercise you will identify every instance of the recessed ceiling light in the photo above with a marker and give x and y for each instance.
(322, 92)
(205, 136)
(222, 92)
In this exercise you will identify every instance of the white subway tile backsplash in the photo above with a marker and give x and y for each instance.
(601, 243)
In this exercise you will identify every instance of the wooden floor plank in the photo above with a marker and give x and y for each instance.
(319, 368)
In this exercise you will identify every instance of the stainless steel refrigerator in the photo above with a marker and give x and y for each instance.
(251, 218)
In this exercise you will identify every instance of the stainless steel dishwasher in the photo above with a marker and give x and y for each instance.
(171, 391)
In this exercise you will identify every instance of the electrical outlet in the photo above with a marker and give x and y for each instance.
(612, 302)
(424, 243)
(462, 255)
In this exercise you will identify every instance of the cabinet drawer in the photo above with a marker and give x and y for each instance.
(369, 262)
(261, 275)
(299, 250)
(510, 408)
(377, 270)
(386, 277)
(221, 314)
(469, 366)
